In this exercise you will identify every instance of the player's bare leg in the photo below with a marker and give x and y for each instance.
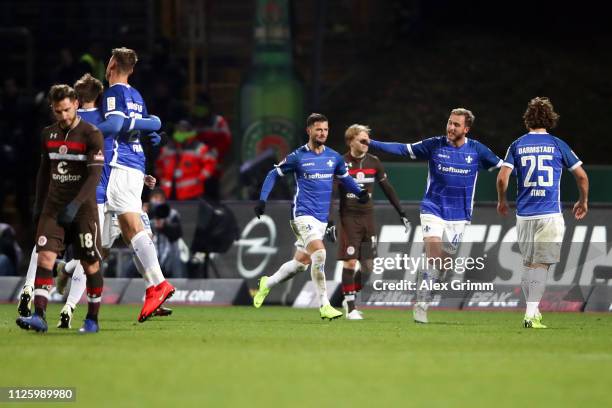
(144, 249)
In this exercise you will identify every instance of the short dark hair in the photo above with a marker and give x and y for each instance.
(126, 59)
(88, 88)
(540, 113)
(315, 117)
(59, 92)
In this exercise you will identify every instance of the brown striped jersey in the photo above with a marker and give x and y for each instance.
(366, 171)
(68, 157)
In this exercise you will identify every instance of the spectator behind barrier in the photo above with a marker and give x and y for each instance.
(184, 165)
(167, 235)
(212, 130)
(10, 252)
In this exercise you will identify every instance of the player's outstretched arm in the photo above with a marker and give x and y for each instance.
(151, 123)
(582, 181)
(502, 186)
(266, 189)
(112, 125)
(399, 149)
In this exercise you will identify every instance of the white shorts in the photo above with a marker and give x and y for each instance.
(540, 239)
(124, 191)
(306, 229)
(450, 232)
(111, 229)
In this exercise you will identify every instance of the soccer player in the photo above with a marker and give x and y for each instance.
(124, 110)
(70, 168)
(314, 167)
(358, 232)
(539, 159)
(454, 162)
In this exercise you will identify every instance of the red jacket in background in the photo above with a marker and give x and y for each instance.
(183, 168)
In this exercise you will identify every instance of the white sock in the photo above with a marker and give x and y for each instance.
(144, 249)
(536, 280)
(317, 273)
(429, 275)
(31, 275)
(71, 266)
(78, 284)
(142, 272)
(287, 271)
(532, 308)
(525, 278)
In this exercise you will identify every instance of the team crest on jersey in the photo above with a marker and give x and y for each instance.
(63, 149)
(42, 241)
(350, 250)
(360, 175)
(330, 163)
(99, 155)
(469, 159)
(110, 103)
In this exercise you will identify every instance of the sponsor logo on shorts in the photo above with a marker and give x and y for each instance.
(350, 250)
(99, 156)
(42, 240)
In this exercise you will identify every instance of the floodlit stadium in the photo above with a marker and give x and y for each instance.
(295, 203)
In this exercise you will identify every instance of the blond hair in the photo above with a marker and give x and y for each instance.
(467, 114)
(353, 131)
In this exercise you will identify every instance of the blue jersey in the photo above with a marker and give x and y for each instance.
(539, 159)
(451, 181)
(95, 117)
(125, 101)
(314, 177)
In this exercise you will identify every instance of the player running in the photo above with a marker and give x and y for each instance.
(70, 169)
(539, 159)
(123, 109)
(314, 167)
(454, 162)
(358, 232)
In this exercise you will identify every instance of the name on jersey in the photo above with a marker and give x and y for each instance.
(318, 176)
(134, 106)
(454, 170)
(536, 149)
(538, 193)
(308, 164)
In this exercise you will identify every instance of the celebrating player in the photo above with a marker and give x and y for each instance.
(314, 166)
(124, 110)
(358, 232)
(446, 208)
(70, 168)
(539, 159)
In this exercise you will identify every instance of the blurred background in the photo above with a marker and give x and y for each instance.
(235, 79)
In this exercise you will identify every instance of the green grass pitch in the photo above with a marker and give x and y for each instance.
(278, 356)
